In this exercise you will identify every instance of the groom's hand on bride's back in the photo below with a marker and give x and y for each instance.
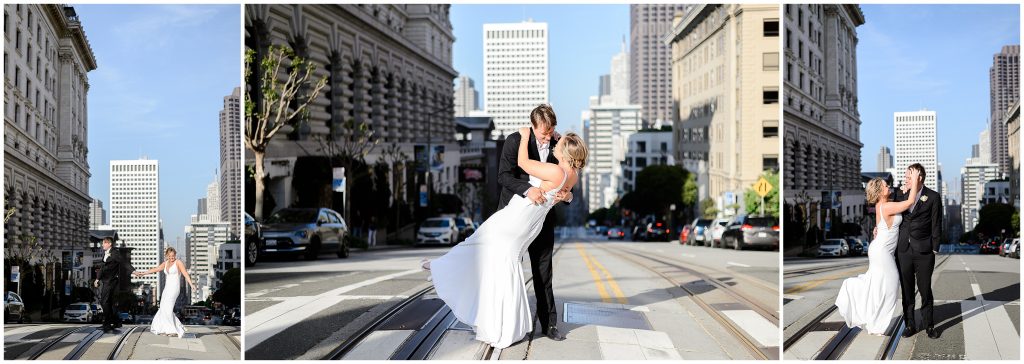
(535, 195)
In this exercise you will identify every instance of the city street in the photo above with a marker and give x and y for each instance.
(616, 300)
(977, 311)
(130, 342)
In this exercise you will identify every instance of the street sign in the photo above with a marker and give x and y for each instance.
(338, 179)
(15, 273)
(762, 187)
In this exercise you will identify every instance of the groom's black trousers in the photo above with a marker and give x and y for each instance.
(110, 315)
(541, 251)
(920, 266)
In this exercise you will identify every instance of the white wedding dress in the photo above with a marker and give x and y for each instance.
(870, 299)
(165, 322)
(481, 279)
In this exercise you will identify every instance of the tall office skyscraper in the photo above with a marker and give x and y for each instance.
(466, 96)
(230, 193)
(515, 73)
(97, 215)
(1004, 91)
(135, 212)
(915, 143)
(884, 159)
(650, 60)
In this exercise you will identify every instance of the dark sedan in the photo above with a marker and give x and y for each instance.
(253, 240)
(744, 231)
(305, 231)
(656, 231)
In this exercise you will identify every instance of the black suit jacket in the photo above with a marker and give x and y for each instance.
(111, 270)
(921, 230)
(512, 180)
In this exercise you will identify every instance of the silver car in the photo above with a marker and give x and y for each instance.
(438, 230)
(834, 248)
(305, 231)
(14, 308)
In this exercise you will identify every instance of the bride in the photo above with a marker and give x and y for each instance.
(165, 322)
(869, 300)
(481, 279)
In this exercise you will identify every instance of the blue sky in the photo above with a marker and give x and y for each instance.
(911, 57)
(582, 41)
(161, 77)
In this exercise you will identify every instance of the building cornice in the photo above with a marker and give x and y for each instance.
(73, 29)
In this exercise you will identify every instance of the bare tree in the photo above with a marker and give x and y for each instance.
(346, 145)
(282, 103)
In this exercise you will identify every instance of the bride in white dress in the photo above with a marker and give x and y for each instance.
(870, 299)
(481, 279)
(165, 322)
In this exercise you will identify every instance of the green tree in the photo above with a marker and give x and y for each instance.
(230, 291)
(708, 209)
(1015, 222)
(771, 201)
(281, 103)
(657, 188)
(994, 219)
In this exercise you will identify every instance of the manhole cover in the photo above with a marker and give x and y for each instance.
(602, 315)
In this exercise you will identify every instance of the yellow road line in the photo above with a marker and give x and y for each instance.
(817, 282)
(593, 273)
(611, 281)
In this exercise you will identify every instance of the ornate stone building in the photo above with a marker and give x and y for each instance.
(46, 172)
(822, 125)
(388, 65)
(725, 83)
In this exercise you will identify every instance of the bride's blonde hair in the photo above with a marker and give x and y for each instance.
(575, 151)
(874, 190)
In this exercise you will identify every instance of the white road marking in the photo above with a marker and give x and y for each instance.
(272, 320)
(977, 290)
(759, 328)
(737, 264)
(688, 255)
(988, 332)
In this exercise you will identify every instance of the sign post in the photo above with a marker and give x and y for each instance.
(762, 187)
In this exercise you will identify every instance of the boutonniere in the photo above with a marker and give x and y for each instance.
(924, 198)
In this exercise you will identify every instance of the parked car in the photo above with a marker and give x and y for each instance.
(466, 227)
(78, 312)
(438, 230)
(990, 247)
(745, 230)
(616, 233)
(305, 231)
(127, 318)
(1015, 248)
(253, 240)
(97, 312)
(684, 234)
(713, 234)
(656, 230)
(834, 248)
(857, 247)
(601, 230)
(232, 319)
(1004, 247)
(698, 230)
(14, 308)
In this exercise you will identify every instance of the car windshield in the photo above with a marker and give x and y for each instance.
(703, 222)
(832, 243)
(436, 223)
(760, 221)
(293, 215)
(77, 308)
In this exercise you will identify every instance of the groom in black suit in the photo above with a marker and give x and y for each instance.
(919, 239)
(514, 181)
(109, 283)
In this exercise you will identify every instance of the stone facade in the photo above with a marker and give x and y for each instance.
(725, 82)
(387, 65)
(822, 125)
(47, 59)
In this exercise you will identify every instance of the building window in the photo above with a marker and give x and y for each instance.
(771, 27)
(770, 128)
(770, 162)
(770, 95)
(771, 61)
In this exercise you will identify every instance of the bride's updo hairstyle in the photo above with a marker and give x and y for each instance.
(170, 250)
(575, 151)
(876, 186)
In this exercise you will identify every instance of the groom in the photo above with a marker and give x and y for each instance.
(514, 181)
(916, 248)
(109, 283)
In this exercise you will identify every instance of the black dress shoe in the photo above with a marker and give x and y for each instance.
(553, 334)
(909, 331)
(932, 333)
(106, 328)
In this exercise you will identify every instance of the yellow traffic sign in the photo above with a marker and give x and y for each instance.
(762, 187)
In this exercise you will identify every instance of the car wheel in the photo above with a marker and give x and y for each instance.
(252, 253)
(343, 250)
(313, 250)
(736, 244)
